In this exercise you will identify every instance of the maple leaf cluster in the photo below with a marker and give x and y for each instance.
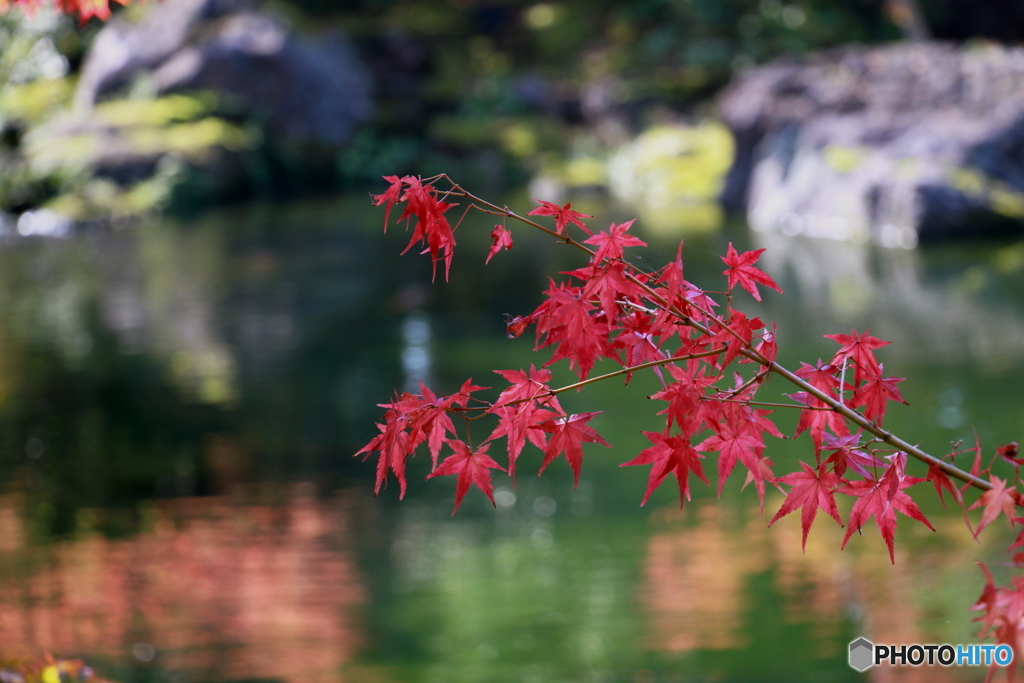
(85, 9)
(701, 350)
(1003, 616)
(608, 309)
(422, 202)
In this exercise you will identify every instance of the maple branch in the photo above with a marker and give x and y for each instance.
(634, 368)
(762, 403)
(866, 424)
(591, 380)
(496, 210)
(655, 304)
(747, 350)
(753, 380)
(469, 433)
(842, 378)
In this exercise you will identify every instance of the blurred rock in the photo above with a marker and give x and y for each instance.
(307, 90)
(180, 103)
(672, 175)
(128, 157)
(889, 145)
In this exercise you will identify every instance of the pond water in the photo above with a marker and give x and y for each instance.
(180, 402)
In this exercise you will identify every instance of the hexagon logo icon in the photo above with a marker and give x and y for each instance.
(861, 654)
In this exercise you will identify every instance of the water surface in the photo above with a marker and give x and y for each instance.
(180, 400)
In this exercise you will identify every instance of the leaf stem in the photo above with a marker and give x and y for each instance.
(763, 403)
(634, 368)
(591, 380)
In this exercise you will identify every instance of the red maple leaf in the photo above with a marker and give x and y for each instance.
(1010, 452)
(567, 321)
(685, 397)
(609, 284)
(669, 455)
(976, 466)
(472, 467)
(568, 434)
(701, 301)
(942, 481)
(860, 348)
(743, 272)
(462, 396)
(732, 446)
(848, 455)
(997, 499)
(431, 423)
(680, 295)
(639, 341)
(85, 9)
(432, 228)
(883, 499)
(395, 446)
(811, 490)
(736, 335)
(610, 244)
(526, 385)
(500, 239)
(761, 473)
(821, 377)
(672, 276)
(519, 411)
(563, 215)
(1003, 608)
(874, 393)
(516, 325)
(516, 423)
(769, 346)
(389, 197)
(745, 418)
(815, 420)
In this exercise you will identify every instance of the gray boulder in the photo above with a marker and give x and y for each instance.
(890, 145)
(305, 90)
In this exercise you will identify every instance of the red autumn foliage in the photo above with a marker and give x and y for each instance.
(811, 489)
(470, 467)
(742, 271)
(882, 499)
(995, 500)
(661, 322)
(669, 455)
(564, 215)
(500, 239)
(619, 308)
(85, 9)
(568, 434)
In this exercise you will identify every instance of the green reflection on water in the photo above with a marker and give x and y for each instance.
(251, 346)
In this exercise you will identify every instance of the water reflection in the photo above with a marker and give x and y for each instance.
(416, 350)
(704, 565)
(253, 346)
(944, 304)
(215, 590)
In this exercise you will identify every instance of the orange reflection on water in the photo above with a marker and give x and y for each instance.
(694, 583)
(220, 591)
(699, 563)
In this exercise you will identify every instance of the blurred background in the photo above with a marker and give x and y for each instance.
(199, 314)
